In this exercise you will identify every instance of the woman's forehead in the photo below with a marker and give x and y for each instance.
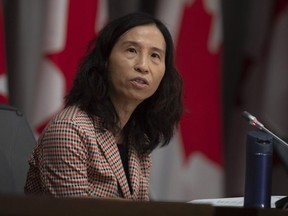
(144, 34)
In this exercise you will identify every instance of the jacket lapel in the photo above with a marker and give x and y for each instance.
(110, 150)
(134, 170)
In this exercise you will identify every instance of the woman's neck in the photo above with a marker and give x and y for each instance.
(124, 114)
(124, 110)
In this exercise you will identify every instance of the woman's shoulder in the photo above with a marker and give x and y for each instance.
(78, 116)
(72, 113)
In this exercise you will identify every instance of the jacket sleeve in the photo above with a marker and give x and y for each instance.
(63, 160)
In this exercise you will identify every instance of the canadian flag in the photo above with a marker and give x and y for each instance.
(70, 25)
(191, 166)
(3, 76)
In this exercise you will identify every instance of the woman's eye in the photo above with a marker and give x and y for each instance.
(155, 55)
(132, 50)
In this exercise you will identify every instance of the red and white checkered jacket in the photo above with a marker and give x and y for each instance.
(74, 158)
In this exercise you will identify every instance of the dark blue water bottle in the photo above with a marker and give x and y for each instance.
(259, 150)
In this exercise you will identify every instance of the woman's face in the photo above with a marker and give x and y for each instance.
(137, 64)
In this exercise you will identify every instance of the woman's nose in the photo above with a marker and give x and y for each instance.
(141, 64)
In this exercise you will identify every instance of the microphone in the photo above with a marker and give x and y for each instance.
(253, 121)
(282, 203)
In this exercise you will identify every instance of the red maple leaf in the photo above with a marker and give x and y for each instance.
(200, 125)
(81, 29)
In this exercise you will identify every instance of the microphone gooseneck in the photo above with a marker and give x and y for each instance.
(253, 121)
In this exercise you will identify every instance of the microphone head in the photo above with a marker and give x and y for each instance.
(245, 114)
(248, 116)
(252, 120)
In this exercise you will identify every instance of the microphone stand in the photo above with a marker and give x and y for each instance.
(253, 121)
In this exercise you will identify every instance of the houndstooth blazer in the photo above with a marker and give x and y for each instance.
(74, 158)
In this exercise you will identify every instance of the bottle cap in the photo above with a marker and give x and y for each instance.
(259, 142)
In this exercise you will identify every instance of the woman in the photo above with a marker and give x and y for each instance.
(125, 101)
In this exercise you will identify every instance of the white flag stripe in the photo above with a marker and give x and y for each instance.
(198, 178)
(102, 15)
(164, 162)
(55, 27)
(170, 12)
(172, 178)
(51, 83)
(3, 85)
(50, 93)
(213, 7)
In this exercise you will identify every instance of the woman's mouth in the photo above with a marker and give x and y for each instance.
(139, 82)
